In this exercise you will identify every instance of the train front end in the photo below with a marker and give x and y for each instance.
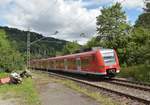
(110, 62)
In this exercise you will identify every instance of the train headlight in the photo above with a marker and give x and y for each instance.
(117, 71)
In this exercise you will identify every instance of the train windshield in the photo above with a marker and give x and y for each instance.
(108, 56)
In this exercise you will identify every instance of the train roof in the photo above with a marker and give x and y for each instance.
(103, 50)
(73, 55)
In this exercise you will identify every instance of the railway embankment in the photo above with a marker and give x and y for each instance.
(65, 92)
(20, 94)
(123, 92)
(140, 73)
(45, 89)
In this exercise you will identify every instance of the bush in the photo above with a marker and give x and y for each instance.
(10, 59)
(138, 73)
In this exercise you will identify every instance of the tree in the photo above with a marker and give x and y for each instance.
(95, 43)
(138, 47)
(144, 19)
(141, 37)
(112, 26)
(71, 47)
(47, 47)
(147, 9)
(10, 59)
(131, 43)
(113, 29)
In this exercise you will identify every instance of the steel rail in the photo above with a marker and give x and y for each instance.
(100, 87)
(135, 86)
(129, 81)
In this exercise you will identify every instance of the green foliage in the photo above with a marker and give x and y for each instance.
(3, 74)
(93, 43)
(147, 9)
(138, 48)
(25, 93)
(3, 42)
(131, 43)
(113, 30)
(112, 26)
(71, 47)
(138, 73)
(10, 59)
(143, 20)
(44, 48)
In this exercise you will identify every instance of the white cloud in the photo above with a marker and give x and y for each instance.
(47, 16)
(4, 2)
(69, 17)
(130, 4)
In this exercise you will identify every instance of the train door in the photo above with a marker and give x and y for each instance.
(65, 64)
(78, 64)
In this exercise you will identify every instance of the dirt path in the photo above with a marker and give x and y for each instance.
(52, 93)
(10, 101)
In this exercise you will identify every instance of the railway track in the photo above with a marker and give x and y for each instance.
(127, 83)
(142, 93)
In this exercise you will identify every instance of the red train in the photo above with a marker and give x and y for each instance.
(101, 61)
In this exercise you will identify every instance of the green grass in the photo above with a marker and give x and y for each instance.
(24, 93)
(138, 73)
(3, 74)
(95, 95)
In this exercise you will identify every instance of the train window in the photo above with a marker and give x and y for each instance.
(71, 63)
(57, 63)
(50, 64)
(86, 60)
(109, 58)
(61, 63)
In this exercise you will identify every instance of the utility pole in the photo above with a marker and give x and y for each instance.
(28, 48)
(29, 43)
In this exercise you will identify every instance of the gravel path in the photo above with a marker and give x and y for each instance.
(9, 101)
(52, 93)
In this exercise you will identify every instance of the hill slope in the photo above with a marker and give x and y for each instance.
(43, 48)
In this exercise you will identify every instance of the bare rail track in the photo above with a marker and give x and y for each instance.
(136, 85)
(98, 86)
(129, 81)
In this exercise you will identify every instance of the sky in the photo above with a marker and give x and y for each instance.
(69, 17)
